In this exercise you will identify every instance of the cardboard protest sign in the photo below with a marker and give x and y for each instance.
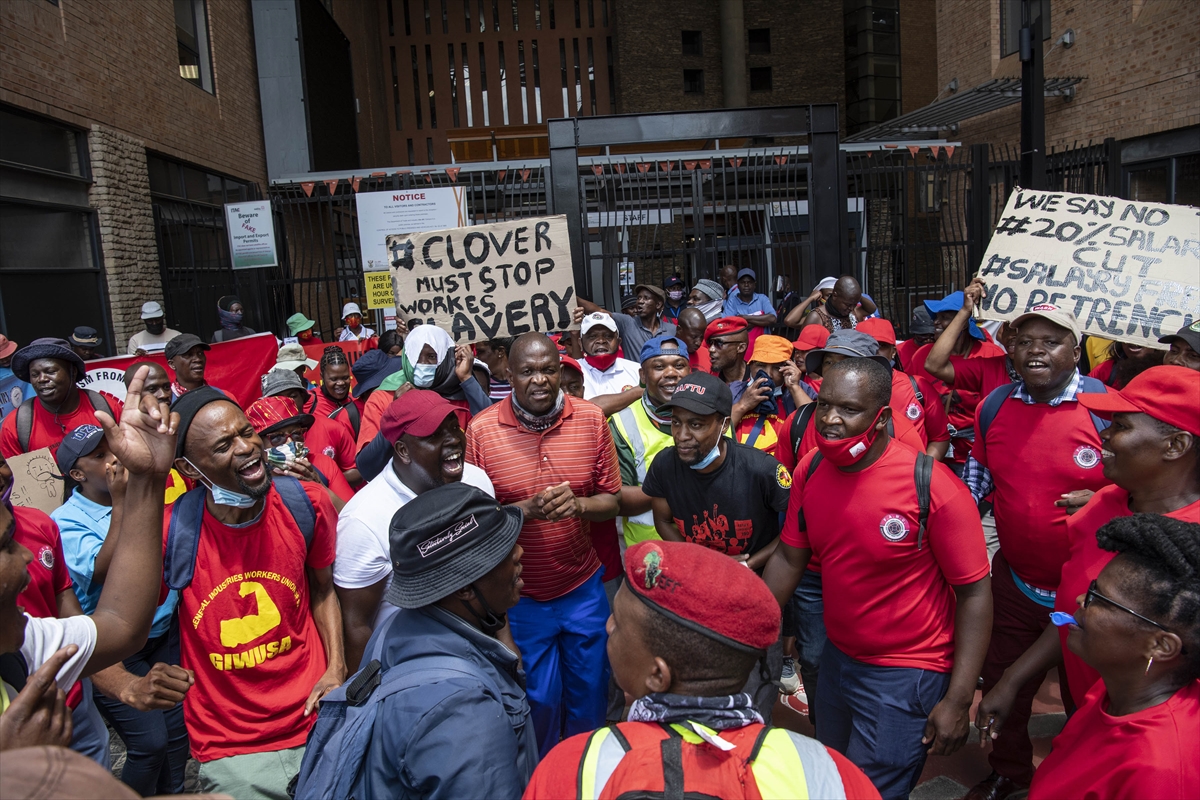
(486, 281)
(36, 482)
(1129, 271)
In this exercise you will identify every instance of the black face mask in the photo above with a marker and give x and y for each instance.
(492, 622)
(156, 327)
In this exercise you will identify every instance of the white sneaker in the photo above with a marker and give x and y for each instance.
(789, 679)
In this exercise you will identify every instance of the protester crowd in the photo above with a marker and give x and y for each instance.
(591, 564)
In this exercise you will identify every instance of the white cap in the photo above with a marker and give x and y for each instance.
(826, 283)
(597, 318)
(351, 308)
(152, 310)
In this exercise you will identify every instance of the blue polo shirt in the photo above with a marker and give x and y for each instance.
(759, 304)
(83, 526)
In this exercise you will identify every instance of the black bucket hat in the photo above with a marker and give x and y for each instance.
(48, 347)
(445, 539)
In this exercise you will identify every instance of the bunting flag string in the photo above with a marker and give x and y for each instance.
(643, 167)
(706, 164)
(949, 152)
(935, 149)
(914, 149)
(666, 166)
(780, 160)
(689, 165)
(525, 176)
(307, 186)
(597, 170)
(378, 174)
(500, 175)
(332, 186)
(735, 162)
(354, 183)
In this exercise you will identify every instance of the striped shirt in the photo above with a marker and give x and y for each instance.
(579, 449)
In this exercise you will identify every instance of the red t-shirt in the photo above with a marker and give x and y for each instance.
(980, 375)
(895, 603)
(48, 429)
(700, 360)
(905, 351)
(1084, 564)
(324, 407)
(329, 468)
(1153, 753)
(48, 575)
(579, 449)
(557, 776)
(1103, 373)
(248, 632)
(962, 407)
(927, 415)
(1036, 454)
(332, 438)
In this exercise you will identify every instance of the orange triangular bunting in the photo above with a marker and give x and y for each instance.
(332, 186)
(736, 162)
(781, 160)
(935, 149)
(689, 165)
(621, 168)
(500, 175)
(643, 167)
(598, 170)
(914, 149)
(706, 164)
(354, 183)
(428, 178)
(525, 176)
(453, 173)
(307, 186)
(666, 166)
(949, 152)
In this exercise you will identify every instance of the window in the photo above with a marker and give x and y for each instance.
(693, 43)
(1011, 23)
(693, 81)
(191, 30)
(760, 79)
(872, 36)
(759, 41)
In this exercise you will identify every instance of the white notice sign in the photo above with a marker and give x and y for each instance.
(251, 234)
(403, 211)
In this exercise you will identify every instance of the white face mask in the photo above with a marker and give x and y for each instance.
(711, 310)
(423, 375)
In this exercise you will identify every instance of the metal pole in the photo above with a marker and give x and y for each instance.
(1033, 103)
(978, 218)
(563, 197)
(827, 193)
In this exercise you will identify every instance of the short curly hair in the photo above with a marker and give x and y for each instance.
(1166, 555)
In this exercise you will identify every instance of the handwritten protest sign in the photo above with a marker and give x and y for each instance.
(36, 483)
(486, 281)
(1129, 271)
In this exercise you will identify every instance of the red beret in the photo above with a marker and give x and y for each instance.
(705, 591)
(724, 325)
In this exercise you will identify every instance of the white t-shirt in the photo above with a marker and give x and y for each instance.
(363, 543)
(151, 343)
(348, 335)
(622, 375)
(45, 636)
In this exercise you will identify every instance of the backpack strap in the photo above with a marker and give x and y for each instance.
(990, 407)
(99, 402)
(916, 390)
(800, 422)
(756, 430)
(25, 424)
(672, 764)
(759, 741)
(1090, 385)
(923, 477)
(183, 538)
(298, 505)
(352, 414)
(812, 467)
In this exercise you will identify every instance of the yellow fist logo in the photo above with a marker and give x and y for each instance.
(246, 629)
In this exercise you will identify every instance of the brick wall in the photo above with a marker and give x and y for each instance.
(807, 54)
(1140, 61)
(120, 194)
(918, 54)
(115, 63)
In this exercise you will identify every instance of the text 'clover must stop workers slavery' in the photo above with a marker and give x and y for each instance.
(486, 281)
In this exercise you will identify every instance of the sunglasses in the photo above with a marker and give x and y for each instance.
(1092, 594)
(277, 439)
(720, 343)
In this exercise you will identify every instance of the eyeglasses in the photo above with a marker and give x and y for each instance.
(276, 439)
(1092, 594)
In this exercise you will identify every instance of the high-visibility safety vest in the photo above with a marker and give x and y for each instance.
(646, 441)
(647, 759)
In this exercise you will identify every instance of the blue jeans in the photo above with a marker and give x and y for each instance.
(875, 716)
(156, 742)
(562, 643)
(808, 607)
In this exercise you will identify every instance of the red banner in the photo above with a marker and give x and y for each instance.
(353, 351)
(233, 367)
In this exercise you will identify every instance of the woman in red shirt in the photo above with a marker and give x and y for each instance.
(1151, 452)
(1138, 733)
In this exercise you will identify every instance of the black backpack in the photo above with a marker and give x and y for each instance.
(352, 414)
(25, 415)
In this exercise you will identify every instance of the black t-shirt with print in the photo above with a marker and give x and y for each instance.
(734, 509)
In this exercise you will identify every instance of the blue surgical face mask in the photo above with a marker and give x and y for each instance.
(222, 496)
(712, 454)
(423, 375)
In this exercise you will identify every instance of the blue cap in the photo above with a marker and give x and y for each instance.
(80, 442)
(745, 272)
(954, 302)
(371, 368)
(654, 347)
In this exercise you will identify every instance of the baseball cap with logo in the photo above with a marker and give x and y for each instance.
(80, 442)
(1167, 393)
(845, 343)
(1052, 314)
(597, 318)
(662, 346)
(703, 393)
(725, 326)
(445, 539)
(1188, 333)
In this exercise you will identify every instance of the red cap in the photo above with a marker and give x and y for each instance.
(812, 337)
(705, 591)
(418, 412)
(273, 412)
(567, 361)
(1169, 394)
(725, 325)
(879, 329)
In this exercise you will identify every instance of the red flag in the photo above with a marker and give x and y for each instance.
(428, 178)
(781, 160)
(935, 149)
(500, 175)
(643, 167)
(525, 175)
(380, 174)
(453, 173)
(666, 166)
(949, 152)
(735, 162)
(621, 168)
(706, 164)
(689, 165)
(914, 149)
(598, 170)
(354, 183)
(307, 186)
(332, 186)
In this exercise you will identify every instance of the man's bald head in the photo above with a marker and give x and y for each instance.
(531, 345)
(690, 327)
(846, 295)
